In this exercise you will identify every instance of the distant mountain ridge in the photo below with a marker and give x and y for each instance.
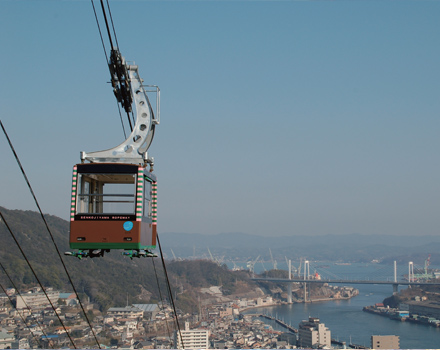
(229, 239)
(352, 247)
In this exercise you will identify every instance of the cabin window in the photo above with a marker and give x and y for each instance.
(147, 199)
(106, 193)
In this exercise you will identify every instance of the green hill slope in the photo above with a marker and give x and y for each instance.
(108, 281)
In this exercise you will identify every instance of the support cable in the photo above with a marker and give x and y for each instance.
(118, 73)
(161, 298)
(129, 121)
(22, 317)
(50, 234)
(107, 60)
(100, 33)
(122, 122)
(113, 26)
(106, 24)
(114, 54)
(169, 291)
(36, 277)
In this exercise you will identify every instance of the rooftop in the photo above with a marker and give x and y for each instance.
(147, 307)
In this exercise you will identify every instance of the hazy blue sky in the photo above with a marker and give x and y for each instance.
(278, 117)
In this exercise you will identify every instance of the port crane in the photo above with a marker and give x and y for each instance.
(262, 263)
(250, 264)
(174, 255)
(114, 191)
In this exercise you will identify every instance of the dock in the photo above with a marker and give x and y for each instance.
(281, 323)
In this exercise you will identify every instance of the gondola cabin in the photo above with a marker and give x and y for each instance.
(113, 207)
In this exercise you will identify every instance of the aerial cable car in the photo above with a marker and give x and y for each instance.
(114, 192)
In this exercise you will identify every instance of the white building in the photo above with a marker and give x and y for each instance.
(313, 334)
(36, 300)
(192, 339)
(125, 312)
(6, 339)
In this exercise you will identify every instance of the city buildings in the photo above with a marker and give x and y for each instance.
(313, 334)
(217, 325)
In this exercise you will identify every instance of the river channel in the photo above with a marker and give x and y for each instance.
(346, 320)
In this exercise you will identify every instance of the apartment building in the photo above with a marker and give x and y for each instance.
(192, 338)
(126, 312)
(313, 334)
(36, 300)
(385, 342)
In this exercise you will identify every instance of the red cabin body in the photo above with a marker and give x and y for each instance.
(113, 207)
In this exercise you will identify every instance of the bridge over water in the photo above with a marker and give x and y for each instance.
(336, 281)
(375, 274)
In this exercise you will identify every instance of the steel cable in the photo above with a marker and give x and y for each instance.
(169, 291)
(36, 277)
(161, 298)
(113, 26)
(50, 234)
(19, 294)
(100, 33)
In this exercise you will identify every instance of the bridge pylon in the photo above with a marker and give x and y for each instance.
(289, 293)
(289, 285)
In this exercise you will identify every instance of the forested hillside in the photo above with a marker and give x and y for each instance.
(107, 281)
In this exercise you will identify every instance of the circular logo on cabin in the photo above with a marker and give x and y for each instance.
(128, 225)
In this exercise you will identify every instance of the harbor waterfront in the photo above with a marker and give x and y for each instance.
(347, 322)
